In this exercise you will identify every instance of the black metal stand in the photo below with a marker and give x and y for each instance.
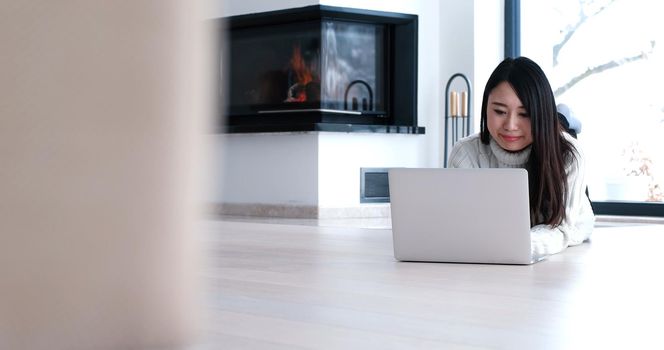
(453, 123)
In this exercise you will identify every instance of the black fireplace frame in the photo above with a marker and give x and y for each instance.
(401, 75)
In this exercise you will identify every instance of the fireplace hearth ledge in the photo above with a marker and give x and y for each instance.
(326, 127)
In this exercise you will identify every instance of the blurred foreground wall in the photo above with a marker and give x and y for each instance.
(101, 153)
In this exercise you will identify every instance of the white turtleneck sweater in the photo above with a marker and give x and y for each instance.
(470, 152)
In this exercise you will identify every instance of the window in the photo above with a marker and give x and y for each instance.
(605, 60)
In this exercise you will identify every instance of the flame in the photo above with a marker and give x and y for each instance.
(302, 74)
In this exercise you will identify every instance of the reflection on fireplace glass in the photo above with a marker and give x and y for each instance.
(316, 65)
(353, 66)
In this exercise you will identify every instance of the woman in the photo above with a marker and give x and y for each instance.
(519, 128)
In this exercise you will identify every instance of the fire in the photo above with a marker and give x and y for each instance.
(303, 76)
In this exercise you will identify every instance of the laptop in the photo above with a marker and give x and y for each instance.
(460, 215)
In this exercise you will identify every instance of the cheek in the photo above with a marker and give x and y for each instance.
(492, 123)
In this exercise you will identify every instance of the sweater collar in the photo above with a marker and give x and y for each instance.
(519, 158)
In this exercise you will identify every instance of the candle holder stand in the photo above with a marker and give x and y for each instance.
(457, 122)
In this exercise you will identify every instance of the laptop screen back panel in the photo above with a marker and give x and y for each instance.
(460, 215)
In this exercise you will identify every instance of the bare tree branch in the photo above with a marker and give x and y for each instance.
(602, 67)
(570, 32)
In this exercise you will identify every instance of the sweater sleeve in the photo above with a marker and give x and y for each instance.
(579, 217)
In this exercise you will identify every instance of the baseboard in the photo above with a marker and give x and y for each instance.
(377, 210)
(266, 210)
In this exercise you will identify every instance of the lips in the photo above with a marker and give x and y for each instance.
(509, 138)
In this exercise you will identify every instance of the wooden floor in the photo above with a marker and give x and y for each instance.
(276, 286)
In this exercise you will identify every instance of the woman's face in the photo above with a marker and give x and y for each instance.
(507, 120)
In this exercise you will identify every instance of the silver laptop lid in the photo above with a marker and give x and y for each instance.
(460, 215)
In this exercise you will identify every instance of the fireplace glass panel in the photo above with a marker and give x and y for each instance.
(276, 67)
(321, 65)
(353, 66)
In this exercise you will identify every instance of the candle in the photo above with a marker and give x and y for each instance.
(464, 103)
(454, 103)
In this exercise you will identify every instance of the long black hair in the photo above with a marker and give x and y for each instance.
(550, 151)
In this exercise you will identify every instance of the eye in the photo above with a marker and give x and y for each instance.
(499, 111)
(524, 115)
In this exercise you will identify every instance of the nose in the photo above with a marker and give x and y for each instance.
(511, 122)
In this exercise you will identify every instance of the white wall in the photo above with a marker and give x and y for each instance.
(242, 7)
(457, 50)
(270, 168)
(489, 44)
(341, 156)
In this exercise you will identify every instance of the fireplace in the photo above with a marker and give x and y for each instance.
(321, 68)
